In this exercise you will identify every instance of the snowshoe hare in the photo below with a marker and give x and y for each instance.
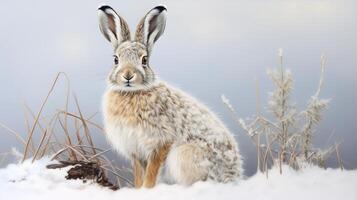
(164, 132)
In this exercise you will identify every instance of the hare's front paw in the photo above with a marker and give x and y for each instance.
(149, 184)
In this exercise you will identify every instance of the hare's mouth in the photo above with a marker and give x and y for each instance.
(122, 84)
(117, 85)
(128, 83)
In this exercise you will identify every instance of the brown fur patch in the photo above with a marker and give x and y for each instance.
(138, 172)
(136, 108)
(154, 164)
(112, 25)
(125, 33)
(139, 34)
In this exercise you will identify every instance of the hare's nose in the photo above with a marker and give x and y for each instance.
(128, 76)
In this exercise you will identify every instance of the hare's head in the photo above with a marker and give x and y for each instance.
(131, 70)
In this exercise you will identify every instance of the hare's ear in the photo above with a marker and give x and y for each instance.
(151, 27)
(113, 27)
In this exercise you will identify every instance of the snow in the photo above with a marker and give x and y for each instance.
(33, 181)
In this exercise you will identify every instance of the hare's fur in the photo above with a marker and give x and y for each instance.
(153, 124)
(138, 123)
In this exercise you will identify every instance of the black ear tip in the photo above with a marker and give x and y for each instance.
(104, 7)
(160, 8)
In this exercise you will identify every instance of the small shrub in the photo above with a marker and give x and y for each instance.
(288, 137)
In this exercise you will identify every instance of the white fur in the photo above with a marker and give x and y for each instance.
(186, 164)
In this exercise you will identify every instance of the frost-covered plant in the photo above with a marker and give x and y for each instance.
(287, 138)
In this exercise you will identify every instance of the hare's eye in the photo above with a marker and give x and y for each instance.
(116, 60)
(144, 60)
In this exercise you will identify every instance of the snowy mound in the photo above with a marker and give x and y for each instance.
(33, 181)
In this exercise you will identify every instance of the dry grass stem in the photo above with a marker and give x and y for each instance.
(67, 136)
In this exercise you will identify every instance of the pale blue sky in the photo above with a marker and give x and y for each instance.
(209, 48)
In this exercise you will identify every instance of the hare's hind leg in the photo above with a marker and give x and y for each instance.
(185, 164)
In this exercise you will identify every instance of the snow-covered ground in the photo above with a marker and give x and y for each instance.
(33, 181)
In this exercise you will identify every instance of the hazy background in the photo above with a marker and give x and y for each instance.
(210, 48)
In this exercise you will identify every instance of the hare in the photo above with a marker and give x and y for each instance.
(164, 132)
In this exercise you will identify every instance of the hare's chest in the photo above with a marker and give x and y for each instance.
(130, 141)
